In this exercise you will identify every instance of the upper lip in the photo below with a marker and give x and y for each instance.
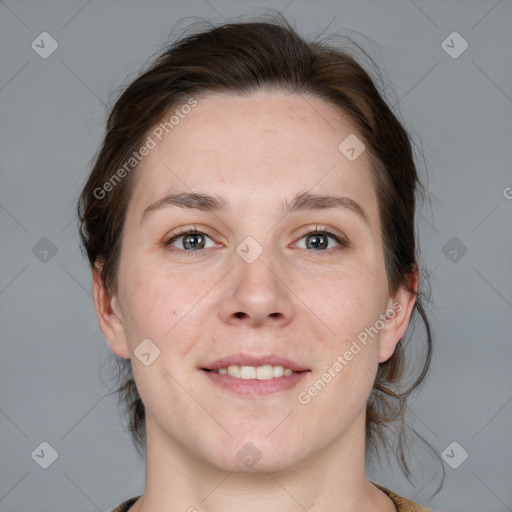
(249, 360)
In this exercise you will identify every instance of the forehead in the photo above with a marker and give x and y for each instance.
(264, 147)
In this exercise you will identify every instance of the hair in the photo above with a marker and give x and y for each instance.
(242, 58)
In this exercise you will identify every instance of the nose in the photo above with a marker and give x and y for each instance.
(257, 294)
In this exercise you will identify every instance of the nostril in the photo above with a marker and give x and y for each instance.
(240, 314)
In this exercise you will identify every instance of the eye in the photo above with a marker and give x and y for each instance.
(319, 240)
(187, 241)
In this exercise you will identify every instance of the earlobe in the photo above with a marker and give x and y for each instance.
(399, 313)
(109, 315)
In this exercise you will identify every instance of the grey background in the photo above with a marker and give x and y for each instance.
(52, 114)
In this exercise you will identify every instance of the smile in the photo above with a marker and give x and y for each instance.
(263, 372)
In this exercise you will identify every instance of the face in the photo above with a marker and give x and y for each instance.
(254, 279)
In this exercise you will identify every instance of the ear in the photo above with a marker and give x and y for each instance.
(399, 311)
(109, 315)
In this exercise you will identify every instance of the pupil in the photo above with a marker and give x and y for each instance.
(316, 241)
(194, 244)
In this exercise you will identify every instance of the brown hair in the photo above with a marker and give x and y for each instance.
(241, 58)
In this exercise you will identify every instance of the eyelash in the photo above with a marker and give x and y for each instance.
(340, 239)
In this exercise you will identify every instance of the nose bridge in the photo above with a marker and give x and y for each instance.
(256, 292)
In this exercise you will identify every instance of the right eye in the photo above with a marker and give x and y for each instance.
(187, 241)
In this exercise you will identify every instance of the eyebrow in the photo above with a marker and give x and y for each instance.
(215, 203)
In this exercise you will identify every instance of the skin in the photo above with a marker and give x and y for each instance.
(256, 151)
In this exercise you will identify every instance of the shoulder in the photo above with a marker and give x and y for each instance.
(402, 504)
(125, 506)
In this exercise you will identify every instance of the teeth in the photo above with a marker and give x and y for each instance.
(264, 372)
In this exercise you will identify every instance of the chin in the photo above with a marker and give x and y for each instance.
(258, 455)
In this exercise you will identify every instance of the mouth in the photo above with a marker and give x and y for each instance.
(264, 372)
(253, 361)
(255, 376)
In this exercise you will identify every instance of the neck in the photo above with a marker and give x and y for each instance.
(331, 480)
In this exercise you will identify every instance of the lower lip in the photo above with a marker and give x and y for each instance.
(254, 387)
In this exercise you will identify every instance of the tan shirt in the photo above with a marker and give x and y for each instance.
(401, 504)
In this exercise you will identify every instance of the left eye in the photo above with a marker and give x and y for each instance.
(319, 240)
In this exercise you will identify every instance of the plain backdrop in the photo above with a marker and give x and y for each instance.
(54, 378)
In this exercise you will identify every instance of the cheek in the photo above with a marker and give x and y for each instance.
(155, 300)
(348, 302)
(346, 378)
(350, 388)
(159, 307)
(350, 306)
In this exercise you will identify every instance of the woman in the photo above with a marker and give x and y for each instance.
(249, 222)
